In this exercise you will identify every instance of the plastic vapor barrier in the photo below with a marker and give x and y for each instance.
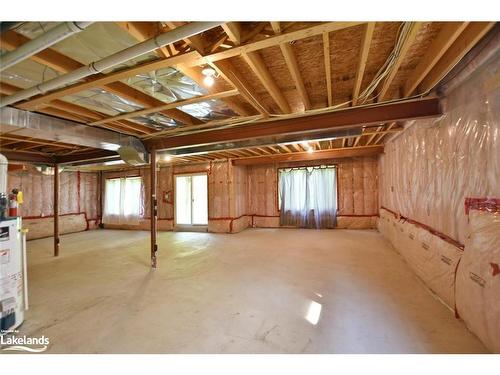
(478, 278)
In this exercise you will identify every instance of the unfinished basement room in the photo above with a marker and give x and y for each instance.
(241, 187)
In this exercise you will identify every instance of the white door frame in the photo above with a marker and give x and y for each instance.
(187, 174)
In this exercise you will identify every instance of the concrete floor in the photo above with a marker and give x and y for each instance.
(259, 291)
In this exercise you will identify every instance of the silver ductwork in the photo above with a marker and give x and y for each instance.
(265, 141)
(44, 41)
(29, 124)
(106, 63)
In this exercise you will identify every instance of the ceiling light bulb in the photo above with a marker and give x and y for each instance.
(305, 143)
(208, 81)
(168, 158)
(310, 150)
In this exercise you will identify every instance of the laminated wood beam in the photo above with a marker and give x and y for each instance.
(463, 44)
(87, 156)
(354, 116)
(363, 57)
(316, 155)
(233, 31)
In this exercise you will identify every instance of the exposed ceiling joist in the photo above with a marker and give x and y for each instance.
(258, 66)
(316, 155)
(463, 44)
(293, 67)
(407, 43)
(328, 68)
(363, 57)
(449, 33)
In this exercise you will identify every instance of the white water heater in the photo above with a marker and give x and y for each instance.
(13, 281)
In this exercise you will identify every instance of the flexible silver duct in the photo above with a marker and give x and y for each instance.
(44, 41)
(120, 57)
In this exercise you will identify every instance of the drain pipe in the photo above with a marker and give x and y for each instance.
(120, 57)
(54, 35)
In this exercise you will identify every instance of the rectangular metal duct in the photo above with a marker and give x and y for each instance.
(267, 141)
(29, 124)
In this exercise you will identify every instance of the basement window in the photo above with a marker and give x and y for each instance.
(307, 196)
(122, 200)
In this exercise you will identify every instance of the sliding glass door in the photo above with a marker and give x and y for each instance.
(191, 199)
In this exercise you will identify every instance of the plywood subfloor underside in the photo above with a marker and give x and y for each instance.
(243, 293)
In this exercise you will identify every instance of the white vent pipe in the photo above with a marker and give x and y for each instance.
(120, 57)
(44, 41)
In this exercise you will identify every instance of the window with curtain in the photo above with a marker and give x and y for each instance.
(308, 197)
(122, 201)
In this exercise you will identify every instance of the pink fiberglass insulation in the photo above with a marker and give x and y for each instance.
(428, 171)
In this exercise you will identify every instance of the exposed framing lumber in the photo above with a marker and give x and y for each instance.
(103, 80)
(258, 66)
(363, 57)
(415, 28)
(337, 153)
(354, 116)
(293, 67)
(328, 68)
(160, 108)
(463, 44)
(383, 133)
(27, 157)
(449, 33)
(233, 31)
(192, 58)
(64, 64)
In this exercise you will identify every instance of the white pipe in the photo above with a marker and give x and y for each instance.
(25, 267)
(51, 37)
(120, 57)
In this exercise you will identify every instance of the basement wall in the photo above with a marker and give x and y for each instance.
(226, 195)
(79, 199)
(357, 183)
(440, 198)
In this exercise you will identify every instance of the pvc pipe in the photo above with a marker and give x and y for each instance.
(25, 269)
(51, 37)
(120, 57)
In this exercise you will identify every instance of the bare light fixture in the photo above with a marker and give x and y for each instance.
(210, 76)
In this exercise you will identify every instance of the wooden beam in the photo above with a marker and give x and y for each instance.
(328, 68)
(448, 34)
(12, 155)
(103, 80)
(233, 31)
(153, 208)
(64, 64)
(463, 44)
(141, 33)
(192, 58)
(415, 28)
(145, 30)
(354, 116)
(56, 210)
(163, 107)
(381, 136)
(285, 37)
(293, 68)
(337, 153)
(258, 66)
(363, 57)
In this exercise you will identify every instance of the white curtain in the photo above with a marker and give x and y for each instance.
(122, 201)
(308, 197)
